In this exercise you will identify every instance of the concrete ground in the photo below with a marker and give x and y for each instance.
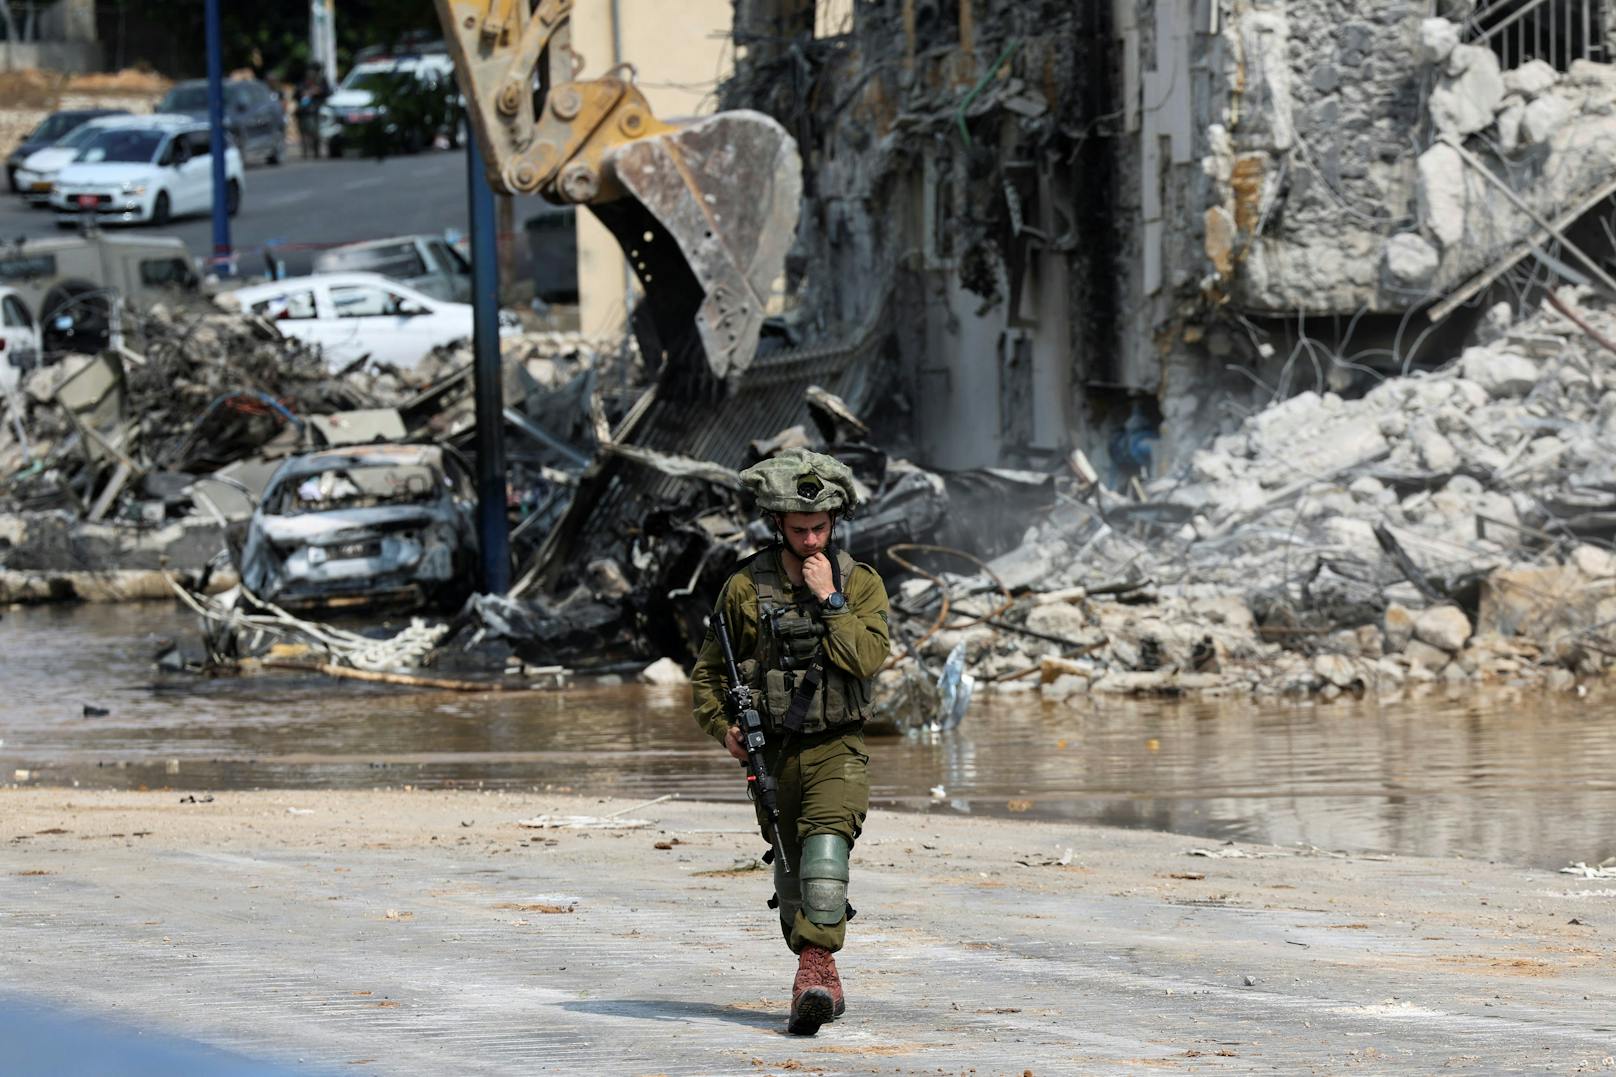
(427, 932)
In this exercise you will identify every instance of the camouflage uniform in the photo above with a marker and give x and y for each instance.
(809, 665)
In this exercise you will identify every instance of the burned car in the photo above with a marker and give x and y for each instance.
(364, 525)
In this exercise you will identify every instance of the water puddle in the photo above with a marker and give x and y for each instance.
(1528, 779)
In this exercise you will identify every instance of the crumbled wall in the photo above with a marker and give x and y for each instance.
(1160, 214)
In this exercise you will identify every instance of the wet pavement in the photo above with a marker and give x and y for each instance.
(1524, 778)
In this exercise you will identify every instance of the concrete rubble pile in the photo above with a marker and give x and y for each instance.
(1452, 526)
(119, 468)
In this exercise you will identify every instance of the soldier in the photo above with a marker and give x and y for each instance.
(810, 633)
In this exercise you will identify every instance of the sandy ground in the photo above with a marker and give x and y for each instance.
(407, 932)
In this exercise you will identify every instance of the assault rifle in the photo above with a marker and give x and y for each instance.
(760, 784)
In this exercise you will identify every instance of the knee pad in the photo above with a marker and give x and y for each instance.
(823, 881)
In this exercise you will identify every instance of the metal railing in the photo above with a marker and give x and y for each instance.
(1559, 32)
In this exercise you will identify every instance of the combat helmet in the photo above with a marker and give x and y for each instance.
(801, 481)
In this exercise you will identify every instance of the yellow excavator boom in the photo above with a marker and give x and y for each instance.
(705, 210)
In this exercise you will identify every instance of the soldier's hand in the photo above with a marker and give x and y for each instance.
(817, 575)
(733, 741)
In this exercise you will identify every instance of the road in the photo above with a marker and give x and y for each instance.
(309, 204)
(430, 932)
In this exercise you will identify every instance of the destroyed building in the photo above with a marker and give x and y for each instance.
(1122, 226)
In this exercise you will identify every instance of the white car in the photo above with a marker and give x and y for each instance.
(38, 171)
(149, 172)
(350, 316)
(20, 345)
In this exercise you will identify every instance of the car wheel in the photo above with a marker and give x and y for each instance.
(232, 198)
(333, 148)
(279, 140)
(160, 213)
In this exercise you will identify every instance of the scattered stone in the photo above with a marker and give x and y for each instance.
(1560, 680)
(1441, 193)
(1594, 562)
(1531, 79)
(1411, 262)
(1336, 669)
(1399, 626)
(1543, 118)
(1502, 375)
(1421, 655)
(1438, 39)
(664, 671)
(1463, 102)
(1444, 627)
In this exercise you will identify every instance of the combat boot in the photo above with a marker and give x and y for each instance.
(815, 992)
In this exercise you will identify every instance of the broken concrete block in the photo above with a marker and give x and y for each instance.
(1435, 450)
(1441, 193)
(664, 671)
(1560, 680)
(1411, 262)
(1445, 627)
(1060, 619)
(1438, 39)
(1463, 102)
(1531, 79)
(1529, 600)
(1399, 626)
(1510, 114)
(1336, 669)
(1543, 118)
(1350, 532)
(1501, 375)
(1594, 562)
(1421, 655)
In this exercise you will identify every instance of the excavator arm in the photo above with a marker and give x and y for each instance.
(705, 210)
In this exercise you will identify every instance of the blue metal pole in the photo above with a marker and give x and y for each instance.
(223, 258)
(493, 526)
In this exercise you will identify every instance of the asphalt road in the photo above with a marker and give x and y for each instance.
(301, 206)
(432, 932)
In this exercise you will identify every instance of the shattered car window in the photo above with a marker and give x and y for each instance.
(393, 260)
(285, 307)
(358, 301)
(358, 488)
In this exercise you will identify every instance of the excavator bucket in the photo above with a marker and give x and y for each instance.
(709, 213)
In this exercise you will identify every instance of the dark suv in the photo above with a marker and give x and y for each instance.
(252, 114)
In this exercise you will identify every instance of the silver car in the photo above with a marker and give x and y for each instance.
(364, 525)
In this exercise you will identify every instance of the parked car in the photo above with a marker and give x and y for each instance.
(426, 263)
(353, 315)
(253, 114)
(372, 524)
(147, 173)
(36, 175)
(20, 346)
(51, 130)
(359, 114)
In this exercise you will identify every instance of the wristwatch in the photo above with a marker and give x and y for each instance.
(835, 602)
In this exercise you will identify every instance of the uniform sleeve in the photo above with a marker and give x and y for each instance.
(858, 639)
(707, 680)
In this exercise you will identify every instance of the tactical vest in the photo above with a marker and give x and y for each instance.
(790, 662)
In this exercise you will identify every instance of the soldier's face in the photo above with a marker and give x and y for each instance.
(806, 533)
